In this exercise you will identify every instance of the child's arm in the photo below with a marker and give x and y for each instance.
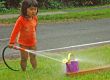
(15, 32)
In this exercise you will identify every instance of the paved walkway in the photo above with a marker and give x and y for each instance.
(44, 13)
(8, 16)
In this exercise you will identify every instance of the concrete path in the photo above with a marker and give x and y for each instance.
(16, 15)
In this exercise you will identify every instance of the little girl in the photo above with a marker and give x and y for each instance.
(25, 31)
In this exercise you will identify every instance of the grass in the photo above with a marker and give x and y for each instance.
(71, 16)
(85, 15)
(52, 70)
(9, 11)
(3, 10)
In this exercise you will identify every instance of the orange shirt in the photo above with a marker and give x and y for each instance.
(25, 30)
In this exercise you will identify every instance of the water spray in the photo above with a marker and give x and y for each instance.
(29, 51)
(71, 65)
(35, 52)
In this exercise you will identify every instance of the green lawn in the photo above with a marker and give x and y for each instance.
(52, 70)
(17, 11)
(70, 16)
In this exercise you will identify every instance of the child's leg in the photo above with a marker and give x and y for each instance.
(33, 58)
(24, 57)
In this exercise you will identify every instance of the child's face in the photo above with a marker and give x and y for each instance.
(31, 11)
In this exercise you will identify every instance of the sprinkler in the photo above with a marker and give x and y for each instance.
(71, 65)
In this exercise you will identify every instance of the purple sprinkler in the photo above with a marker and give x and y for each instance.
(71, 65)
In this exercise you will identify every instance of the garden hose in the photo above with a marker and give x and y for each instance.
(3, 56)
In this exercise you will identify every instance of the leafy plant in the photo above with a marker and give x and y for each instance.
(54, 4)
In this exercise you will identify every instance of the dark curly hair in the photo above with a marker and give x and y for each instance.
(26, 4)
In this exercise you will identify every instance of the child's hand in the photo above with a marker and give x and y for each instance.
(10, 45)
